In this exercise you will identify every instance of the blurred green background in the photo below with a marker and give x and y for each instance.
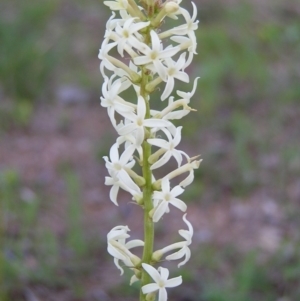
(244, 203)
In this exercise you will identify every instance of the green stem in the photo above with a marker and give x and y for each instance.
(147, 195)
(148, 223)
(147, 173)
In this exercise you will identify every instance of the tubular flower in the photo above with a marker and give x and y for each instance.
(183, 246)
(117, 247)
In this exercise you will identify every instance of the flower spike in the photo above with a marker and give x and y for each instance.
(137, 58)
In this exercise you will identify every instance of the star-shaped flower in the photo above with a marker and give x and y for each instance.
(117, 164)
(173, 71)
(128, 34)
(126, 184)
(112, 101)
(160, 276)
(139, 122)
(191, 23)
(155, 55)
(163, 198)
(168, 147)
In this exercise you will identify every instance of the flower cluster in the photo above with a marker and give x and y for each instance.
(137, 58)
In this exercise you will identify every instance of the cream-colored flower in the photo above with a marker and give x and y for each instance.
(161, 281)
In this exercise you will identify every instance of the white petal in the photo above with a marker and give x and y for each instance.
(168, 88)
(177, 155)
(109, 181)
(176, 114)
(159, 143)
(181, 61)
(140, 134)
(177, 137)
(149, 288)
(162, 294)
(187, 257)
(160, 211)
(115, 253)
(142, 60)
(174, 282)
(158, 195)
(134, 243)
(141, 111)
(160, 69)
(155, 41)
(169, 52)
(194, 11)
(191, 230)
(182, 76)
(127, 154)
(113, 194)
(176, 191)
(151, 123)
(164, 273)
(126, 129)
(116, 261)
(114, 153)
(177, 255)
(162, 161)
(178, 204)
(139, 26)
(188, 180)
(165, 184)
(152, 272)
(133, 279)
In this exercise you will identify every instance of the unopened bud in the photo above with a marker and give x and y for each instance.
(157, 255)
(171, 7)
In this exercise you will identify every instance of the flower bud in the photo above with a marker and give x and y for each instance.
(157, 255)
(171, 7)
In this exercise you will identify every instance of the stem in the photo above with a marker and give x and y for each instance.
(148, 223)
(147, 195)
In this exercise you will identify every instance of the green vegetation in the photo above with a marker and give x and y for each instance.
(27, 58)
(32, 253)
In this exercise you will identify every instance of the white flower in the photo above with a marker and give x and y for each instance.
(171, 112)
(188, 167)
(155, 54)
(116, 5)
(138, 122)
(119, 249)
(160, 277)
(118, 164)
(111, 25)
(112, 101)
(126, 184)
(184, 245)
(188, 95)
(103, 56)
(190, 44)
(191, 23)
(163, 198)
(129, 33)
(117, 234)
(173, 71)
(168, 147)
